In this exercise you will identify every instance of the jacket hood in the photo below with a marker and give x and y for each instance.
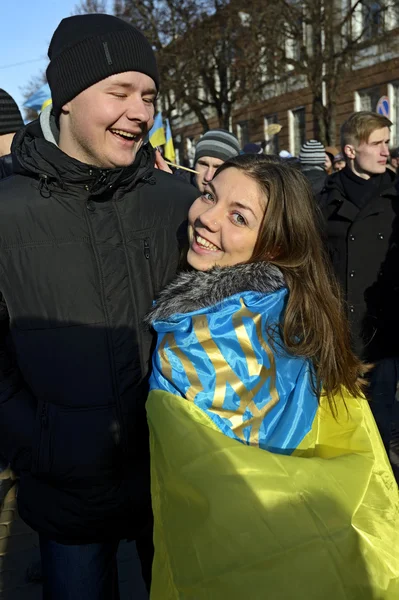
(193, 290)
(36, 153)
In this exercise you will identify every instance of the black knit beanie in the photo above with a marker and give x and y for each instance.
(10, 117)
(88, 48)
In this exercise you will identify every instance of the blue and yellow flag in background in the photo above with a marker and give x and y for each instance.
(157, 132)
(169, 147)
(40, 99)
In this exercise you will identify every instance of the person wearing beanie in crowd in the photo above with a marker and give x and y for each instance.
(328, 165)
(90, 232)
(312, 158)
(331, 151)
(360, 206)
(394, 155)
(339, 162)
(10, 121)
(252, 148)
(212, 150)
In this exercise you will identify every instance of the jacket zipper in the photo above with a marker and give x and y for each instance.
(147, 256)
(43, 415)
(147, 248)
(132, 294)
(109, 344)
(146, 251)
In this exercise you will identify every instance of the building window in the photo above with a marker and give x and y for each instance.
(372, 18)
(272, 145)
(179, 148)
(393, 95)
(367, 99)
(297, 122)
(391, 16)
(296, 39)
(292, 51)
(190, 148)
(243, 133)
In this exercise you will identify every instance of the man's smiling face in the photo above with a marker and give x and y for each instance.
(105, 125)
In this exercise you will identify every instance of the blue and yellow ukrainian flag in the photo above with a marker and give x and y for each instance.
(169, 147)
(234, 520)
(40, 99)
(157, 132)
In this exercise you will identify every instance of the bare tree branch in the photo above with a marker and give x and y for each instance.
(215, 56)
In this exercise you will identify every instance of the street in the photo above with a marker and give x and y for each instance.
(20, 561)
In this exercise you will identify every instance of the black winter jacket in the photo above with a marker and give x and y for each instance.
(187, 177)
(6, 166)
(364, 247)
(82, 253)
(316, 176)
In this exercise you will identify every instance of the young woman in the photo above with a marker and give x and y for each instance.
(268, 475)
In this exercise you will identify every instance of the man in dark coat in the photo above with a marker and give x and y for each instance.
(89, 233)
(360, 205)
(10, 121)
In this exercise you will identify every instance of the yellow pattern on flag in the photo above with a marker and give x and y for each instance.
(234, 521)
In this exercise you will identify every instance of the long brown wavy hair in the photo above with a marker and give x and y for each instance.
(314, 324)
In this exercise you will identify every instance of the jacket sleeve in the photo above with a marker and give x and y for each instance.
(17, 404)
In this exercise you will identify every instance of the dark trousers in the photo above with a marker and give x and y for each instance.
(87, 571)
(382, 392)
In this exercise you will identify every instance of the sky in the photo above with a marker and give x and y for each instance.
(26, 28)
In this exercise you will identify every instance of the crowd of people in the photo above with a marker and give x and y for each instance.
(189, 358)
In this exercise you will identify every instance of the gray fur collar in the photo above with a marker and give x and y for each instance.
(192, 290)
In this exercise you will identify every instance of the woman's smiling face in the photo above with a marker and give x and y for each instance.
(224, 221)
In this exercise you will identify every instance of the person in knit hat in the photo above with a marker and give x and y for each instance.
(284, 154)
(312, 158)
(339, 162)
(252, 148)
(90, 232)
(10, 122)
(331, 151)
(212, 150)
(394, 156)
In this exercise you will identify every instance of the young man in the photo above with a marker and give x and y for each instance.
(88, 235)
(10, 122)
(361, 206)
(212, 150)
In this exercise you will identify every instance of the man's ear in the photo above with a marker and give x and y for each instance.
(350, 151)
(66, 108)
